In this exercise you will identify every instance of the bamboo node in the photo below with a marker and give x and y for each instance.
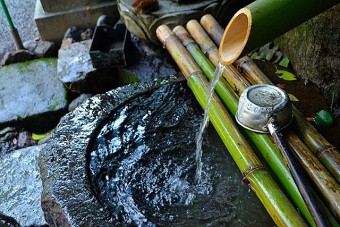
(186, 37)
(170, 37)
(210, 50)
(250, 171)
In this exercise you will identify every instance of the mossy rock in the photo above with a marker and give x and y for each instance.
(313, 49)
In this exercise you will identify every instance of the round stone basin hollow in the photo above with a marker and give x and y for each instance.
(127, 158)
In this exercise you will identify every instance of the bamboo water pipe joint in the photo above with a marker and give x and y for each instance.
(262, 21)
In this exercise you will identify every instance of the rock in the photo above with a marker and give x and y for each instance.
(148, 61)
(87, 34)
(66, 42)
(78, 101)
(76, 71)
(77, 34)
(67, 198)
(74, 33)
(17, 56)
(74, 186)
(21, 187)
(25, 139)
(7, 133)
(8, 140)
(313, 49)
(8, 221)
(31, 96)
(42, 49)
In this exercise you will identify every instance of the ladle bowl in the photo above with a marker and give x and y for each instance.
(259, 103)
(266, 108)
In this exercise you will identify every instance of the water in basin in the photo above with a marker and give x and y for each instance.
(141, 165)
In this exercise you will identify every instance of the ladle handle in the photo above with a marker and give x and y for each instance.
(299, 176)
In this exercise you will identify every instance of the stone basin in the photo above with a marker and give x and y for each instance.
(127, 158)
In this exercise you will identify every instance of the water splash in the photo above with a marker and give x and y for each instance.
(199, 137)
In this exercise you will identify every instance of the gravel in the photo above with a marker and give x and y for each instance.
(22, 14)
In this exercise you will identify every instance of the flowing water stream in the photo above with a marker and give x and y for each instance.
(199, 137)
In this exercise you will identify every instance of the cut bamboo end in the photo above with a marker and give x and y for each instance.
(163, 32)
(212, 27)
(203, 39)
(235, 36)
(180, 32)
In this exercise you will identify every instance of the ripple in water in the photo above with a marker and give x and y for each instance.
(142, 167)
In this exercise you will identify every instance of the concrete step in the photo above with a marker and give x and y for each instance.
(51, 6)
(53, 25)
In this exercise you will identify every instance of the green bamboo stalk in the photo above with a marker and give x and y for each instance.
(258, 179)
(262, 141)
(323, 150)
(262, 21)
(210, 49)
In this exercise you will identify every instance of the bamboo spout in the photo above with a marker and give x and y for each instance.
(262, 21)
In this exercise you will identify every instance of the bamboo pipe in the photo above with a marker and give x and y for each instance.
(324, 151)
(329, 188)
(258, 179)
(210, 49)
(262, 21)
(261, 141)
(212, 27)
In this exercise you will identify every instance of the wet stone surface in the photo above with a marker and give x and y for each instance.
(30, 92)
(129, 161)
(21, 187)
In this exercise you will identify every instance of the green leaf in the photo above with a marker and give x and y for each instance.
(283, 74)
(284, 62)
(292, 98)
(38, 136)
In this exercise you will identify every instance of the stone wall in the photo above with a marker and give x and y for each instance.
(314, 51)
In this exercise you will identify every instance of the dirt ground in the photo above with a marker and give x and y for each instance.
(310, 99)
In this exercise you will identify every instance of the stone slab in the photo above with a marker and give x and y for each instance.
(52, 26)
(61, 5)
(21, 187)
(31, 92)
(76, 72)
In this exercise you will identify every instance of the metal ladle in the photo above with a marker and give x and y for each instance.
(266, 109)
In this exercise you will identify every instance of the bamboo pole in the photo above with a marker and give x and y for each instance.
(324, 151)
(210, 49)
(262, 21)
(258, 179)
(329, 188)
(261, 141)
(305, 157)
